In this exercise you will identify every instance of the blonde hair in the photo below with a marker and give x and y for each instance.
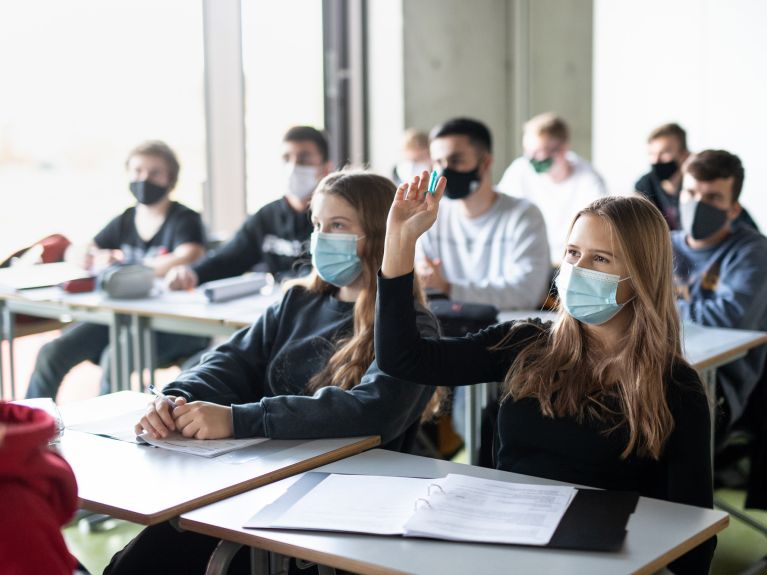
(371, 196)
(560, 369)
(549, 125)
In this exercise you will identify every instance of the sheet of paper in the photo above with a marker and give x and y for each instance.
(120, 426)
(463, 508)
(356, 503)
(203, 447)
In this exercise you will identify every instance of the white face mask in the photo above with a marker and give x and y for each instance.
(300, 180)
(407, 169)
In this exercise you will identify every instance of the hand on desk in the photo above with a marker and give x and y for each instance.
(158, 419)
(199, 419)
(181, 278)
(203, 420)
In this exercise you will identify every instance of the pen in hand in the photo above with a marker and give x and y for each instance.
(161, 395)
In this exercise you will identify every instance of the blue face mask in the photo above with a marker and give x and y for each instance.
(335, 258)
(588, 295)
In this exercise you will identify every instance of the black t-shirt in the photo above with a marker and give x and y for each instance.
(649, 186)
(181, 226)
(274, 239)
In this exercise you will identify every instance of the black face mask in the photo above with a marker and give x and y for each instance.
(701, 221)
(460, 184)
(664, 170)
(147, 192)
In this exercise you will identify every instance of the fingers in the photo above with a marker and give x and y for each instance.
(401, 191)
(163, 410)
(439, 190)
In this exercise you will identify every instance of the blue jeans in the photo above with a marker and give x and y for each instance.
(90, 342)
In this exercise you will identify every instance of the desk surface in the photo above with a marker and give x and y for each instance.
(184, 305)
(148, 485)
(658, 532)
(704, 347)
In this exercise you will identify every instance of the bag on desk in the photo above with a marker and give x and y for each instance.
(130, 281)
(457, 318)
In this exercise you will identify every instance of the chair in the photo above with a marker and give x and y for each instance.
(747, 441)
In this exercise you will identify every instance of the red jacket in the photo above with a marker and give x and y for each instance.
(38, 494)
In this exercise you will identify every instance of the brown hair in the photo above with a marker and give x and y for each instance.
(671, 130)
(309, 134)
(550, 125)
(160, 150)
(371, 196)
(564, 370)
(711, 165)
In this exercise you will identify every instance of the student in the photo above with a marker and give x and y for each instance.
(552, 176)
(157, 232)
(600, 397)
(667, 151)
(415, 156)
(306, 369)
(486, 247)
(39, 495)
(721, 270)
(274, 238)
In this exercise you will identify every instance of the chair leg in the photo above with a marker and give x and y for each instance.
(742, 515)
(758, 568)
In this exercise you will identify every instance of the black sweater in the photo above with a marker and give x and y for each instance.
(262, 371)
(555, 448)
(272, 240)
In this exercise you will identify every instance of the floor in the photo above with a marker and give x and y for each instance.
(739, 546)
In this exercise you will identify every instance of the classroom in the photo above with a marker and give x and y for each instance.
(383, 287)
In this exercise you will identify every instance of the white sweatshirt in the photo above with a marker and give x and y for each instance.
(500, 257)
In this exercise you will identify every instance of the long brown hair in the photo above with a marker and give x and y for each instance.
(561, 369)
(371, 197)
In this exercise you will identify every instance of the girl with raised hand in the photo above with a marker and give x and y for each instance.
(602, 396)
(306, 369)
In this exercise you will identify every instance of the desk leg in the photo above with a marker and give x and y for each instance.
(475, 397)
(708, 378)
(10, 324)
(149, 341)
(2, 339)
(116, 368)
(139, 350)
(126, 349)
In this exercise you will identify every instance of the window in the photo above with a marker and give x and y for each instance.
(283, 70)
(83, 82)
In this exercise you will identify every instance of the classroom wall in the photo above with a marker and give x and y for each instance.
(500, 61)
(697, 62)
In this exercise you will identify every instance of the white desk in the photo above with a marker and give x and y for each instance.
(658, 532)
(132, 323)
(148, 485)
(706, 348)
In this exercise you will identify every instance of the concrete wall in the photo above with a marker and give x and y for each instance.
(500, 61)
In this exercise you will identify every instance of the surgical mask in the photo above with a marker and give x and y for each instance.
(301, 180)
(700, 220)
(588, 295)
(664, 170)
(541, 166)
(147, 192)
(335, 258)
(460, 184)
(406, 169)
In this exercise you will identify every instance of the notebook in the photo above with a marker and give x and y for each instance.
(455, 507)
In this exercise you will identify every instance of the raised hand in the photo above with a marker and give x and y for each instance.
(413, 211)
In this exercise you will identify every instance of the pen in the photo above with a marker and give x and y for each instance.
(432, 182)
(160, 394)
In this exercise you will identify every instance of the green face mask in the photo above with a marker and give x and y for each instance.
(541, 166)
